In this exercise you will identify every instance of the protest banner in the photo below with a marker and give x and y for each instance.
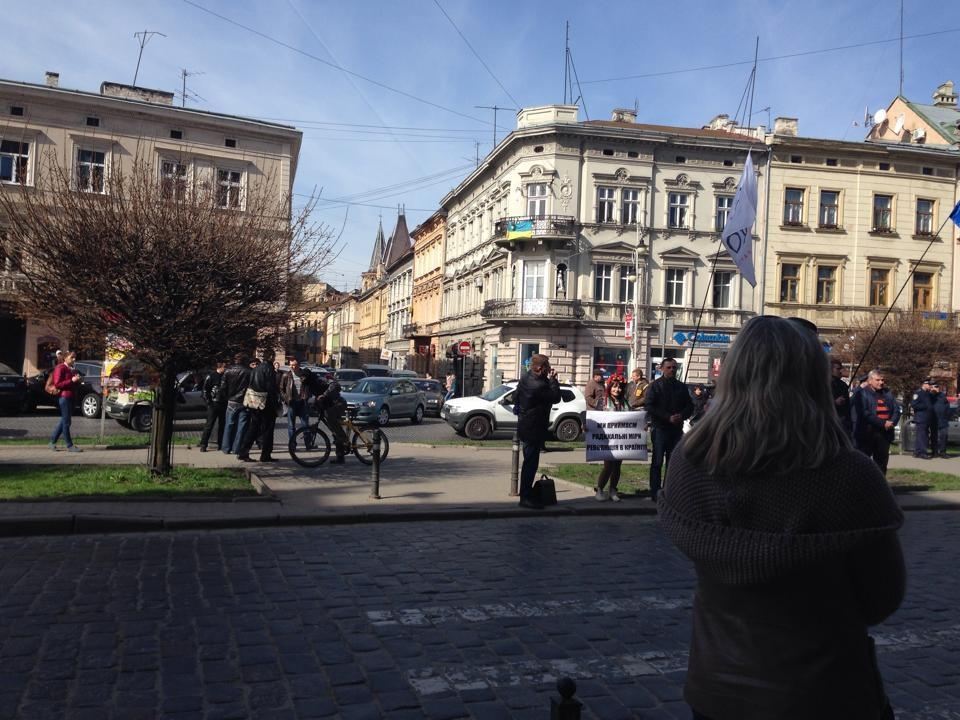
(616, 435)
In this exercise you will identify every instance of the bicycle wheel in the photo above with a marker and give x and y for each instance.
(309, 446)
(362, 445)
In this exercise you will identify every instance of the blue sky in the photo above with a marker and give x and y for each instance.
(356, 142)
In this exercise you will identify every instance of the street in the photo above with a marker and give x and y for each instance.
(403, 620)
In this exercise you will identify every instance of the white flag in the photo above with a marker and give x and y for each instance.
(738, 232)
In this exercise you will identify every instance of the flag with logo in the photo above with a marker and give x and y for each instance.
(738, 232)
(519, 229)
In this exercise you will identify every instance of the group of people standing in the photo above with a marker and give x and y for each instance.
(245, 399)
(931, 417)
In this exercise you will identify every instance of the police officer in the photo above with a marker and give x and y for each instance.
(941, 419)
(922, 405)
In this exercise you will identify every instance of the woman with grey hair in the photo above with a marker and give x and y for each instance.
(793, 536)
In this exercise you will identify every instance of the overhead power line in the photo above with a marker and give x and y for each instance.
(802, 53)
(366, 194)
(335, 66)
(475, 53)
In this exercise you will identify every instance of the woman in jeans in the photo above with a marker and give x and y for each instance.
(615, 401)
(793, 536)
(66, 380)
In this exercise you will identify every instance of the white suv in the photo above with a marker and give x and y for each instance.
(478, 416)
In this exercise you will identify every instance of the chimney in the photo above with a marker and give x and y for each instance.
(945, 96)
(132, 92)
(624, 115)
(53, 79)
(785, 126)
(721, 122)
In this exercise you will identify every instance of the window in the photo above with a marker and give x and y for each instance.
(527, 351)
(533, 279)
(883, 166)
(608, 152)
(612, 360)
(724, 203)
(879, 287)
(722, 281)
(230, 142)
(674, 286)
(16, 110)
(93, 121)
(927, 170)
(924, 217)
(228, 188)
(603, 282)
(173, 180)
(882, 213)
(13, 161)
(537, 200)
(631, 203)
(922, 291)
(678, 210)
(91, 170)
(793, 206)
(790, 282)
(627, 283)
(681, 160)
(605, 205)
(632, 154)
(829, 208)
(826, 284)
(176, 134)
(831, 162)
(796, 159)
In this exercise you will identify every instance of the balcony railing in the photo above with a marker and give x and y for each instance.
(411, 330)
(532, 310)
(521, 228)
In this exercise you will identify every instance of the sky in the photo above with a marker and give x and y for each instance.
(386, 91)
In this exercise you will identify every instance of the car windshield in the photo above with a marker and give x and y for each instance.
(7, 370)
(372, 387)
(496, 393)
(427, 385)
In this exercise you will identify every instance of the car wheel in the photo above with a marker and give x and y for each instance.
(383, 417)
(141, 419)
(417, 416)
(90, 405)
(477, 428)
(567, 430)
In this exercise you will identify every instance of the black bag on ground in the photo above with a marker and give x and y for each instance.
(544, 491)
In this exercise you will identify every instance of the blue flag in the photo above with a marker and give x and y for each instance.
(955, 215)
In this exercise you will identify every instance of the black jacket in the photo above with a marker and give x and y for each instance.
(263, 378)
(328, 394)
(235, 382)
(922, 405)
(535, 396)
(212, 387)
(841, 390)
(941, 409)
(791, 572)
(665, 398)
(866, 421)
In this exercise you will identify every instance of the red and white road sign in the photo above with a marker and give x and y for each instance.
(465, 347)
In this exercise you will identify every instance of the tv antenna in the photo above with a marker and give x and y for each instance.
(496, 109)
(570, 77)
(143, 38)
(185, 93)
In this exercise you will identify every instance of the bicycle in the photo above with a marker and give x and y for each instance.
(310, 445)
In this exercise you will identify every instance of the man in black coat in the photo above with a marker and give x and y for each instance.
(235, 382)
(263, 379)
(216, 402)
(536, 393)
(923, 421)
(877, 414)
(668, 405)
(841, 394)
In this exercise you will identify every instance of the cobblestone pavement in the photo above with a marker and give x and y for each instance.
(403, 620)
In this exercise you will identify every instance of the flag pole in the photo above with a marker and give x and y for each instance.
(703, 307)
(903, 287)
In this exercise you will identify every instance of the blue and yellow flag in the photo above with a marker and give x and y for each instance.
(955, 215)
(519, 229)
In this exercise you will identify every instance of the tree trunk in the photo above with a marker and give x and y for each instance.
(161, 433)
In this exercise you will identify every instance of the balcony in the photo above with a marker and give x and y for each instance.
(540, 311)
(411, 330)
(552, 230)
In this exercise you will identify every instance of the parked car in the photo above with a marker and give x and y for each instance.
(13, 389)
(953, 426)
(376, 370)
(478, 416)
(433, 393)
(374, 400)
(87, 399)
(349, 375)
(404, 373)
(132, 407)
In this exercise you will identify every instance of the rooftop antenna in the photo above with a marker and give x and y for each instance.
(496, 109)
(753, 79)
(184, 74)
(143, 38)
(570, 77)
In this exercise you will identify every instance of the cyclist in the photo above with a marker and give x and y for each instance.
(332, 407)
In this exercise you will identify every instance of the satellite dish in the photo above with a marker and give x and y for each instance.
(879, 116)
(898, 125)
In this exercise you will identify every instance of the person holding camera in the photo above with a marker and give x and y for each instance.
(537, 392)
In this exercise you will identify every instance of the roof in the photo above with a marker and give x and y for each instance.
(669, 129)
(379, 247)
(944, 119)
(401, 244)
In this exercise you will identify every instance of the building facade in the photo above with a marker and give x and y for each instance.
(398, 288)
(425, 319)
(92, 135)
(371, 304)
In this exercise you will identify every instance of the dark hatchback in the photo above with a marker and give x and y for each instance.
(13, 389)
(87, 399)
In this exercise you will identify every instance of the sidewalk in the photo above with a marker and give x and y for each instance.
(418, 482)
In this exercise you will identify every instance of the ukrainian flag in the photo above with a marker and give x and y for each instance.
(519, 229)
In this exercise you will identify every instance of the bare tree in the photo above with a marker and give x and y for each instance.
(908, 348)
(184, 275)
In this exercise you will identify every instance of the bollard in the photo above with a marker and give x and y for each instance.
(375, 493)
(567, 708)
(515, 465)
